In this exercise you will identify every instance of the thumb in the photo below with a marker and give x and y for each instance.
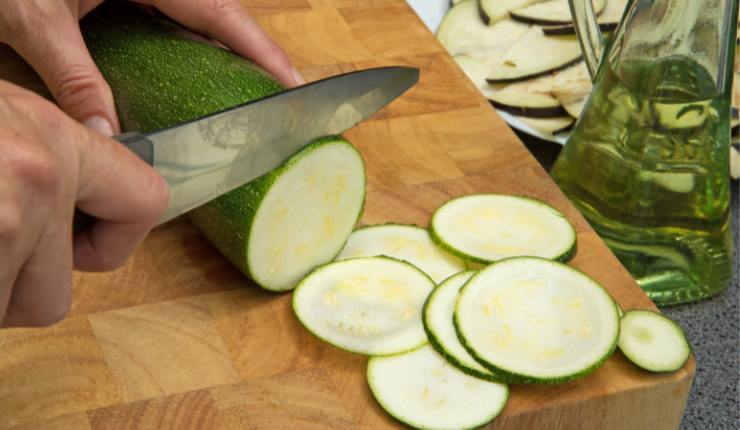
(59, 56)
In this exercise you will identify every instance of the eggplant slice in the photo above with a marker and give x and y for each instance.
(551, 12)
(570, 30)
(518, 101)
(608, 20)
(462, 31)
(550, 126)
(573, 106)
(476, 67)
(533, 55)
(495, 10)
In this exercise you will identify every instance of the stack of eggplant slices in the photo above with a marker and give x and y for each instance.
(525, 57)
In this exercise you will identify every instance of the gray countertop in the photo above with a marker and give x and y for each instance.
(713, 329)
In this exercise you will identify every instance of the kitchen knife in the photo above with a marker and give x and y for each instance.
(212, 155)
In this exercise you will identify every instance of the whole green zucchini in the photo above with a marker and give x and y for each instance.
(279, 226)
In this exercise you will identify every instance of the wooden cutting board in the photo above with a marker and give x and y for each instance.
(179, 339)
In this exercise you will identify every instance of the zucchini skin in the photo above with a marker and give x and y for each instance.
(161, 76)
(227, 220)
(435, 343)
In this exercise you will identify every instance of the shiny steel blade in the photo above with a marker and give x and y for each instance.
(210, 156)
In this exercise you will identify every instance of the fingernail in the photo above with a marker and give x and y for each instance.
(298, 78)
(99, 124)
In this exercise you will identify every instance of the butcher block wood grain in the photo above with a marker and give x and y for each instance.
(178, 339)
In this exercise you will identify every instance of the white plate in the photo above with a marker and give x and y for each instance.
(432, 12)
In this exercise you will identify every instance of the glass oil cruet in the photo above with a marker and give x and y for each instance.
(647, 163)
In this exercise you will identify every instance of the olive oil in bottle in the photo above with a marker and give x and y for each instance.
(647, 166)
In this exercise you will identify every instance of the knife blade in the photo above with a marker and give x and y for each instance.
(212, 155)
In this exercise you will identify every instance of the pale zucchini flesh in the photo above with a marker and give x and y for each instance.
(420, 389)
(484, 228)
(366, 305)
(653, 341)
(404, 242)
(437, 316)
(306, 216)
(536, 321)
(535, 54)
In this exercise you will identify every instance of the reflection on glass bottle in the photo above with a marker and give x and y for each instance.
(647, 164)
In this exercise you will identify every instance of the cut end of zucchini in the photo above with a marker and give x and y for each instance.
(404, 242)
(420, 389)
(653, 341)
(307, 214)
(368, 305)
(536, 321)
(488, 227)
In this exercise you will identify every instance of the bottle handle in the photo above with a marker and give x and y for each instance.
(589, 33)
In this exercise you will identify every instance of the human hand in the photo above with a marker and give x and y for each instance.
(46, 34)
(48, 165)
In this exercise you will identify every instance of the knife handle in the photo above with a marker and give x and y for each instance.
(140, 145)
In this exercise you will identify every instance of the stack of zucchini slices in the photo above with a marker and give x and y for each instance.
(445, 340)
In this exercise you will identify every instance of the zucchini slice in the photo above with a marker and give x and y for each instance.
(533, 55)
(488, 227)
(280, 226)
(463, 31)
(494, 10)
(437, 316)
(420, 389)
(620, 312)
(653, 341)
(366, 305)
(519, 102)
(551, 12)
(404, 242)
(551, 126)
(536, 321)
